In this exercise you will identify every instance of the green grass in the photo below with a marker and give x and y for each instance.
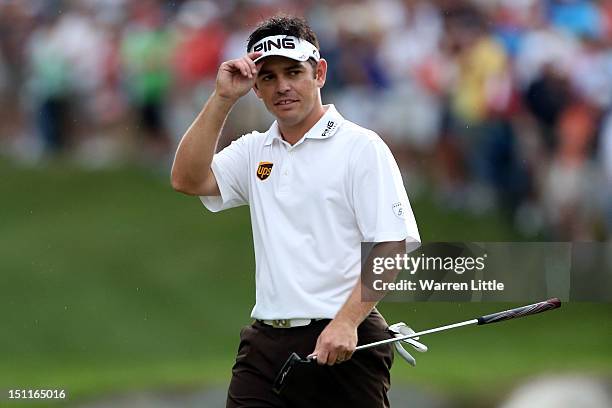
(111, 281)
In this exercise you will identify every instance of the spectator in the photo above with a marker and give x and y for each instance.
(48, 84)
(146, 51)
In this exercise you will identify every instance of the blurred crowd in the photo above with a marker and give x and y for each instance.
(485, 103)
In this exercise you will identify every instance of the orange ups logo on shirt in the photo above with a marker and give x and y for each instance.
(263, 170)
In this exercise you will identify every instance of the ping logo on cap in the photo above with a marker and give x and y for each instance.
(269, 44)
(263, 170)
(285, 46)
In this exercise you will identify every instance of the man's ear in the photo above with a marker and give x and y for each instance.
(256, 90)
(321, 73)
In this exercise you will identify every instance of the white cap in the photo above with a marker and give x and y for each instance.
(286, 46)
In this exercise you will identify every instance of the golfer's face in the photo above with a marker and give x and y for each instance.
(288, 88)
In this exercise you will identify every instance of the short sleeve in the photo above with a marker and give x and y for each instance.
(380, 201)
(230, 168)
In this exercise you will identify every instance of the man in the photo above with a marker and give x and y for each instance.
(317, 185)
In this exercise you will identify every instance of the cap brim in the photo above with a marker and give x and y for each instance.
(300, 57)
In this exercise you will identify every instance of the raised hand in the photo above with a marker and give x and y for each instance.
(236, 77)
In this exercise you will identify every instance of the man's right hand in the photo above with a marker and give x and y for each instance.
(236, 77)
(191, 170)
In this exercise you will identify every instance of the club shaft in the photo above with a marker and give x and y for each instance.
(410, 336)
(522, 311)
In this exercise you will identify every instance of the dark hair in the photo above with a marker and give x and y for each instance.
(283, 25)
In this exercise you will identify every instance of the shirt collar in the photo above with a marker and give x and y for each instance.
(325, 128)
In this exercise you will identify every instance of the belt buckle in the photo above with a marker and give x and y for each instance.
(281, 323)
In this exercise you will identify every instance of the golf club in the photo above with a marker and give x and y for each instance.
(522, 311)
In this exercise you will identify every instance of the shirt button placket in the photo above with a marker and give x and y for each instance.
(286, 171)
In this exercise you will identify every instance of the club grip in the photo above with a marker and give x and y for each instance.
(520, 311)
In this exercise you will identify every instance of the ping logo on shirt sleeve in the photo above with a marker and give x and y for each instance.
(263, 170)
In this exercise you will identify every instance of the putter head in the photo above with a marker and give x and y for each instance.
(280, 380)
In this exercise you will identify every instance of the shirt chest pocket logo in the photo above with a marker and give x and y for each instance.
(264, 170)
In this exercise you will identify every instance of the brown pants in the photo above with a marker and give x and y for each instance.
(362, 381)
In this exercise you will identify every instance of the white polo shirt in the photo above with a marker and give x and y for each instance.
(312, 204)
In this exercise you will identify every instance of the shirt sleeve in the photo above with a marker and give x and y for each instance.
(230, 168)
(380, 201)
